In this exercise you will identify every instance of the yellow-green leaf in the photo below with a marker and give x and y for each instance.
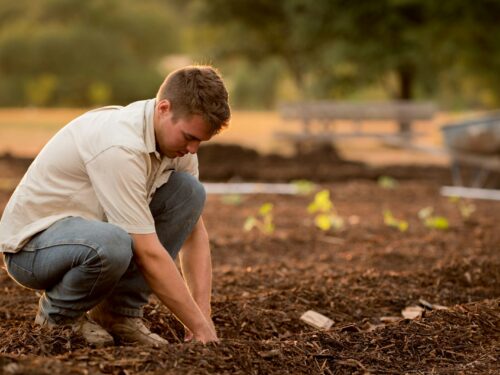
(391, 221)
(323, 222)
(337, 222)
(387, 182)
(466, 209)
(265, 209)
(403, 225)
(425, 212)
(231, 199)
(437, 222)
(268, 227)
(249, 224)
(304, 186)
(321, 203)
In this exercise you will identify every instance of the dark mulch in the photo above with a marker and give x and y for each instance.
(357, 277)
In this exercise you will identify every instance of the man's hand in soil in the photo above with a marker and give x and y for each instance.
(207, 312)
(160, 272)
(196, 265)
(188, 335)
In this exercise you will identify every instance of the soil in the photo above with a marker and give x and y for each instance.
(221, 162)
(361, 277)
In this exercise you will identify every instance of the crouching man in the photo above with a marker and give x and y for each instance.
(101, 214)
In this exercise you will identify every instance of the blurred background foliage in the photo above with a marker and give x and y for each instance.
(94, 52)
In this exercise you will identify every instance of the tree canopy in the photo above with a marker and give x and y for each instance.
(69, 52)
(408, 46)
(81, 52)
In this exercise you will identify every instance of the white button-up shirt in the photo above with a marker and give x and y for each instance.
(101, 166)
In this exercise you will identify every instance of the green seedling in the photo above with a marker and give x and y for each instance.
(466, 208)
(263, 221)
(232, 199)
(326, 215)
(304, 187)
(391, 221)
(321, 203)
(386, 182)
(431, 221)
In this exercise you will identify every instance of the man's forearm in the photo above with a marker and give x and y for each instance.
(161, 274)
(196, 264)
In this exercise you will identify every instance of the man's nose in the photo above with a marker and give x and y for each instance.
(193, 146)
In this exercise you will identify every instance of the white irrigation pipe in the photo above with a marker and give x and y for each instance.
(250, 188)
(473, 193)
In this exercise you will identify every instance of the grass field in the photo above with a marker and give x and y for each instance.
(25, 131)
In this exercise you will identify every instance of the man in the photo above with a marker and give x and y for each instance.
(100, 215)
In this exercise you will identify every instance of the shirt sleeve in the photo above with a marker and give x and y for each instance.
(119, 176)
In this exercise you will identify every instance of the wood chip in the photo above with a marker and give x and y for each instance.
(412, 312)
(316, 319)
(270, 353)
(425, 304)
(350, 328)
(431, 306)
(390, 319)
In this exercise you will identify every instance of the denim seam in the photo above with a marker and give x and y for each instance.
(96, 250)
(82, 242)
(13, 263)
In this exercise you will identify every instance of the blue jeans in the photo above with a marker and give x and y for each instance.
(80, 263)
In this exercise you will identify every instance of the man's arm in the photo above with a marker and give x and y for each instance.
(161, 273)
(196, 265)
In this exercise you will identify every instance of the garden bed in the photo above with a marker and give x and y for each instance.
(361, 277)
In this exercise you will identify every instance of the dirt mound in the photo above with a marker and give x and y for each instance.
(221, 162)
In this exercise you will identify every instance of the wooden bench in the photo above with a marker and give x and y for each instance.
(318, 120)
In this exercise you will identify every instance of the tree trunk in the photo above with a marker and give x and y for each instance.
(298, 77)
(406, 78)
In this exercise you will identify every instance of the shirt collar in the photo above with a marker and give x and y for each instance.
(149, 128)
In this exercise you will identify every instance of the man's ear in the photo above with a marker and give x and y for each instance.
(163, 106)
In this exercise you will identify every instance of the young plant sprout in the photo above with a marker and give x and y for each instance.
(326, 215)
(465, 208)
(304, 187)
(431, 221)
(263, 221)
(232, 199)
(386, 182)
(391, 221)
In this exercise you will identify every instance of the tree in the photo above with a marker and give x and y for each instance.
(466, 35)
(84, 52)
(296, 31)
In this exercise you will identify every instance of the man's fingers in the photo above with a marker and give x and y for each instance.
(188, 335)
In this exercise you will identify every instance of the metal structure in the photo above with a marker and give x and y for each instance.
(474, 144)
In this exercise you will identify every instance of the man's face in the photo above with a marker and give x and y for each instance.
(177, 138)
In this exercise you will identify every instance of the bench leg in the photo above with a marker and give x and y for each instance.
(480, 178)
(456, 174)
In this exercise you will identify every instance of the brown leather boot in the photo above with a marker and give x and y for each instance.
(126, 329)
(94, 334)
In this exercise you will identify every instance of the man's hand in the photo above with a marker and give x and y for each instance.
(188, 335)
(162, 275)
(196, 264)
(203, 337)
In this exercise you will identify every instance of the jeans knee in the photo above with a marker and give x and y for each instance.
(115, 249)
(189, 183)
(182, 189)
(198, 194)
